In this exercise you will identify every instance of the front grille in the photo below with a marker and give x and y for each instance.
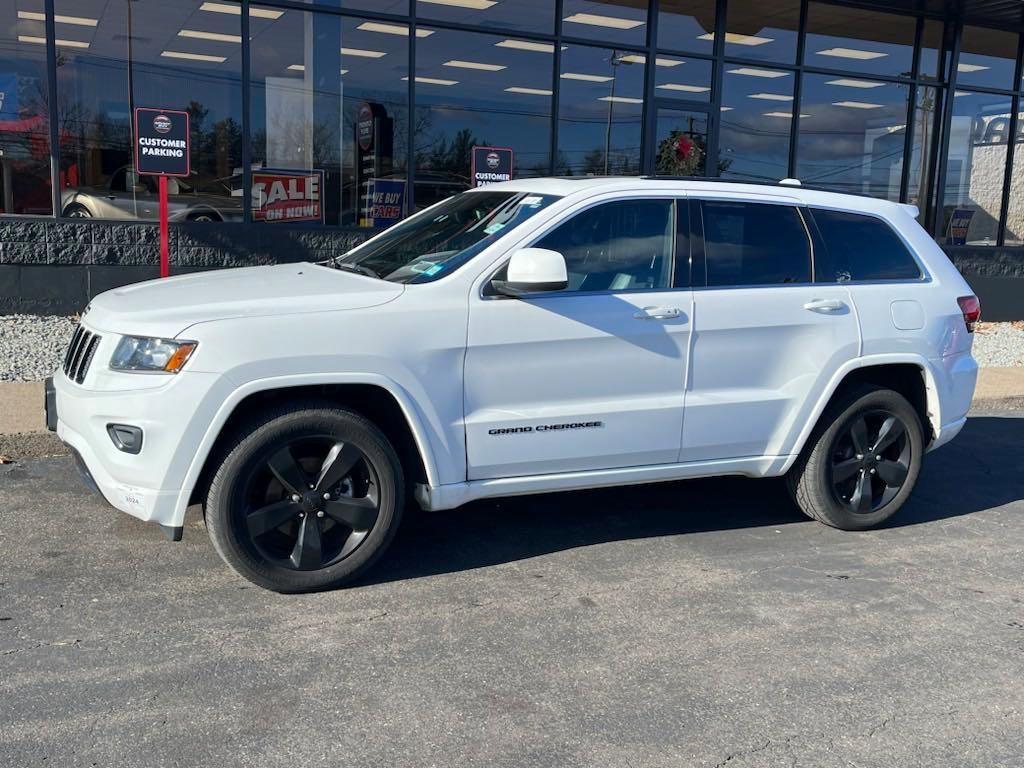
(80, 354)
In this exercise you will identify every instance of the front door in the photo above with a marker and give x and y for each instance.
(592, 377)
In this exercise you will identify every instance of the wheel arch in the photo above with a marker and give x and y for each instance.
(378, 399)
(910, 375)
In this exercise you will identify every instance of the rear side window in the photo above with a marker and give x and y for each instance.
(859, 247)
(754, 244)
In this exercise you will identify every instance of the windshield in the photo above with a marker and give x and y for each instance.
(428, 247)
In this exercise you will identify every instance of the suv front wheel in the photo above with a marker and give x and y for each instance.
(861, 465)
(307, 499)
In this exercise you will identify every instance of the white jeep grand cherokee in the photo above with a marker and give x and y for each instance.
(529, 336)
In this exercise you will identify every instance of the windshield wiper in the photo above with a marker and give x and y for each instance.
(357, 268)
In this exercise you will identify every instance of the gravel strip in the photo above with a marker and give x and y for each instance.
(999, 345)
(32, 347)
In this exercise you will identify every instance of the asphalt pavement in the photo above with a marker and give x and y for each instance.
(685, 624)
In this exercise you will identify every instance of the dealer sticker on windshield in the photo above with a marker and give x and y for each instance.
(533, 201)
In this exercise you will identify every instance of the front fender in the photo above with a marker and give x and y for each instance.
(240, 393)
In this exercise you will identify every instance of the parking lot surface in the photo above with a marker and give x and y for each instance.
(686, 624)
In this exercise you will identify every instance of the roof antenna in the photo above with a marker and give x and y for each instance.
(789, 182)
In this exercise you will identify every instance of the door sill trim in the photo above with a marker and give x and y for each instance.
(456, 494)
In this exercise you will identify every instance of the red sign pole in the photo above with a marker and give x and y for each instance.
(165, 250)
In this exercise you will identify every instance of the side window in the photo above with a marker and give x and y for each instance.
(859, 247)
(617, 246)
(754, 244)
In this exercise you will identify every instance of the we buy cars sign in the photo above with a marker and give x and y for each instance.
(287, 196)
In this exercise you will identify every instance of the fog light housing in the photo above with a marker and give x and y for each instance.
(125, 437)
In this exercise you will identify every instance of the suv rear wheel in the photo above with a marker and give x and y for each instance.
(861, 464)
(308, 499)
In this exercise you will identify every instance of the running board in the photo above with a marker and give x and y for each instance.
(456, 494)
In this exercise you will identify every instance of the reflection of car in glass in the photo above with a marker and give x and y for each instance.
(131, 196)
(530, 336)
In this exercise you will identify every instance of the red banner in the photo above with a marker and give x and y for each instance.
(287, 196)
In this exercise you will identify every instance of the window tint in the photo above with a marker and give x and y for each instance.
(755, 244)
(860, 248)
(617, 246)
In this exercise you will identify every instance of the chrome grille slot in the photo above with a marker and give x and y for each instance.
(80, 354)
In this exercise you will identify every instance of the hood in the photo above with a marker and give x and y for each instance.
(167, 307)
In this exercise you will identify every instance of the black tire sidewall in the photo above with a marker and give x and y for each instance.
(827, 508)
(228, 484)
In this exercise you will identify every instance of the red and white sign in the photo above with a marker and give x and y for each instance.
(279, 196)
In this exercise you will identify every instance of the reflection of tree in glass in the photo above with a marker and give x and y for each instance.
(451, 158)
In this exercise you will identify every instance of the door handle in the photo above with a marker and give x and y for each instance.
(658, 313)
(824, 305)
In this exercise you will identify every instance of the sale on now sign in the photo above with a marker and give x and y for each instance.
(287, 195)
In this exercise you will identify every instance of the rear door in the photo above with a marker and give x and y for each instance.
(766, 339)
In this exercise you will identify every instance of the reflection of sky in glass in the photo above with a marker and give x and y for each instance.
(757, 106)
(686, 25)
(529, 15)
(600, 108)
(988, 58)
(762, 29)
(501, 95)
(855, 40)
(605, 21)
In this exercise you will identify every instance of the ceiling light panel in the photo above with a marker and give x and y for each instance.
(433, 80)
(529, 91)
(597, 20)
(193, 56)
(770, 96)
(473, 5)
(362, 53)
(737, 39)
(80, 21)
(527, 45)
(216, 36)
(621, 99)
(236, 10)
(684, 87)
(392, 29)
(460, 64)
(586, 78)
(857, 105)
(852, 53)
(755, 72)
(849, 82)
(60, 43)
(636, 58)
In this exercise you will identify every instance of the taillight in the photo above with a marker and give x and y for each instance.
(971, 308)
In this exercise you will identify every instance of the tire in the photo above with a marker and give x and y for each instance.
(842, 478)
(77, 211)
(315, 543)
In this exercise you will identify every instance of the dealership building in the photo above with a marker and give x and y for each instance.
(311, 124)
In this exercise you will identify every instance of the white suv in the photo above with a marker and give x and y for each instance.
(529, 336)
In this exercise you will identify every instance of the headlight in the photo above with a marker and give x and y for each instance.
(135, 353)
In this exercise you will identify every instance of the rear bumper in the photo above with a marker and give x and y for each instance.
(955, 377)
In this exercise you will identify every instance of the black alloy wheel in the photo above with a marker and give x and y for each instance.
(870, 461)
(308, 497)
(311, 503)
(862, 460)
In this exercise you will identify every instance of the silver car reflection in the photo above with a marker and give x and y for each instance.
(131, 196)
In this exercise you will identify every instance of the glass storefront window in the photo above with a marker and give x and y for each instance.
(988, 58)
(24, 113)
(922, 143)
(600, 112)
(329, 119)
(856, 40)
(686, 25)
(852, 135)
(762, 29)
(527, 15)
(675, 78)
(114, 56)
(400, 7)
(474, 90)
(756, 122)
(975, 165)
(606, 21)
(930, 66)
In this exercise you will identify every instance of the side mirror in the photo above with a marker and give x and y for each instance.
(533, 270)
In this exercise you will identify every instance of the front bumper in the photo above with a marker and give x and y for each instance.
(147, 485)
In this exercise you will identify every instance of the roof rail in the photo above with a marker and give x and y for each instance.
(787, 182)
